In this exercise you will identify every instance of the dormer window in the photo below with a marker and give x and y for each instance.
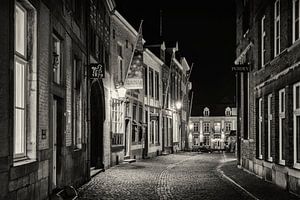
(227, 111)
(206, 111)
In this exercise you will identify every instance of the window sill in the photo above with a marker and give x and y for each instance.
(23, 162)
(277, 57)
(281, 162)
(77, 149)
(296, 166)
(295, 44)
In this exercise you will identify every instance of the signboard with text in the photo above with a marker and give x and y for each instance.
(241, 68)
(97, 71)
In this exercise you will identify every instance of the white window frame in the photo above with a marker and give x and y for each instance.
(260, 120)
(276, 23)
(77, 107)
(196, 127)
(228, 126)
(117, 118)
(281, 118)
(270, 117)
(20, 136)
(263, 35)
(57, 75)
(296, 20)
(25, 96)
(296, 113)
(206, 127)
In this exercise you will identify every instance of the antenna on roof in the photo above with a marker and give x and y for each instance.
(160, 23)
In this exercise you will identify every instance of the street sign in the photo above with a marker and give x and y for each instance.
(240, 68)
(96, 71)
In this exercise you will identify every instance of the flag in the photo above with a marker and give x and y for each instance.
(169, 77)
(134, 75)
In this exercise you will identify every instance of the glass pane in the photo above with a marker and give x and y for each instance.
(297, 97)
(277, 9)
(19, 139)
(296, 30)
(282, 101)
(20, 32)
(297, 9)
(283, 139)
(19, 85)
(298, 137)
(56, 60)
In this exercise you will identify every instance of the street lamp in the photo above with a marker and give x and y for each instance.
(178, 105)
(121, 92)
(191, 126)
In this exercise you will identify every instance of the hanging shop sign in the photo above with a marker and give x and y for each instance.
(97, 71)
(134, 79)
(241, 68)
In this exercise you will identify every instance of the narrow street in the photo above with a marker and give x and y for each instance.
(175, 176)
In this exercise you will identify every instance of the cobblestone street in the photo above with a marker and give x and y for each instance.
(176, 176)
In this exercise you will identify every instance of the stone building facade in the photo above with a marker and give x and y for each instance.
(213, 132)
(153, 104)
(123, 39)
(268, 104)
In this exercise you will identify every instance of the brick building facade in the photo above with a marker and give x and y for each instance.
(268, 103)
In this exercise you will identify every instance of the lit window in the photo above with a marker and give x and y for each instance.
(296, 121)
(206, 127)
(25, 94)
(227, 126)
(296, 9)
(277, 28)
(196, 127)
(227, 111)
(117, 122)
(206, 111)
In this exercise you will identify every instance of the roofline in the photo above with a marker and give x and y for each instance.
(154, 56)
(126, 23)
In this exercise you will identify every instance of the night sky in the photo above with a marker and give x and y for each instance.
(205, 31)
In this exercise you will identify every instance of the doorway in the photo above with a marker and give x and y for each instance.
(97, 120)
(57, 128)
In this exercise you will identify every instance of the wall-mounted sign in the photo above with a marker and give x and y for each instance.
(240, 68)
(44, 134)
(153, 116)
(97, 71)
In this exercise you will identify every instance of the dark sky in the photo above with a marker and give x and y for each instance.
(205, 31)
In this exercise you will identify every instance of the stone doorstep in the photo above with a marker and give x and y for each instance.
(94, 171)
(129, 160)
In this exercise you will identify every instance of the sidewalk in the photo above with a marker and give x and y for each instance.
(259, 188)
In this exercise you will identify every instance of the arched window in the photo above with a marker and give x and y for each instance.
(206, 111)
(228, 111)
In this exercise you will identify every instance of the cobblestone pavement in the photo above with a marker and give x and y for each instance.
(175, 176)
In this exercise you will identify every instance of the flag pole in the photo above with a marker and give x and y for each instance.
(169, 76)
(139, 34)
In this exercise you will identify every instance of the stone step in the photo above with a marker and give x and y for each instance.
(129, 160)
(126, 157)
